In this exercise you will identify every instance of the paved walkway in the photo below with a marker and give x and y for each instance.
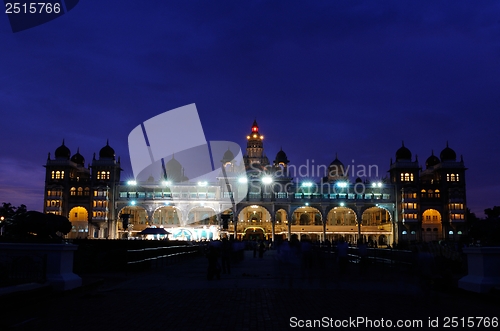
(259, 294)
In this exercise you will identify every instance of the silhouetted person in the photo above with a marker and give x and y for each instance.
(262, 249)
(342, 249)
(213, 264)
(226, 252)
(363, 257)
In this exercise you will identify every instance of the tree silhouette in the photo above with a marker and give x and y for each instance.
(36, 226)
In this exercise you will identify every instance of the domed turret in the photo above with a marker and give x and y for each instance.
(78, 158)
(403, 153)
(281, 157)
(432, 161)
(107, 152)
(228, 156)
(448, 154)
(336, 169)
(62, 152)
(174, 170)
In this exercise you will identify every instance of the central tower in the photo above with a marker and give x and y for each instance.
(255, 157)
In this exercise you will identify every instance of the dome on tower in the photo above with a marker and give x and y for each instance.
(336, 162)
(432, 161)
(336, 168)
(228, 156)
(78, 158)
(174, 170)
(62, 152)
(403, 153)
(281, 157)
(448, 154)
(107, 152)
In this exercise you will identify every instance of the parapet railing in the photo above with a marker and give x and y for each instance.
(145, 258)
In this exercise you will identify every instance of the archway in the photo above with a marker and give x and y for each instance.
(432, 229)
(375, 216)
(202, 216)
(79, 218)
(254, 234)
(341, 216)
(306, 216)
(138, 219)
(166, 215)
(255, 216)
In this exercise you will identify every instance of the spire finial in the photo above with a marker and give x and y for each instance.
(403, 143)
(107, 142)
(63, 142)
(447, 143)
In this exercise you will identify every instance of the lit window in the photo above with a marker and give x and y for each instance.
(72, 191)
(62, 174)
(80, 191)
(53, 174)
(410, 205)
(406, 177)
(58, 175)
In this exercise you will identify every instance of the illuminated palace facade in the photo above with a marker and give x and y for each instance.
(411, 204)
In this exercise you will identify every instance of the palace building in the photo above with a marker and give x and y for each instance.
(411, 204)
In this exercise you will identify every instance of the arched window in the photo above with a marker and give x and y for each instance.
(72, 191)
(406, 177)
(86, 192)
(80, 191)
(53, 174)
(58, 175)
(437, 194)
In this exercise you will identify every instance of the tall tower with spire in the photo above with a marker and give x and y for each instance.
(255, 157)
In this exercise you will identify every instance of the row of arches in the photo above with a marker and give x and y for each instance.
(307, 218)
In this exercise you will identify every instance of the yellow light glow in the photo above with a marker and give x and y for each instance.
(248, 137)
(255, 136)
(261, 137)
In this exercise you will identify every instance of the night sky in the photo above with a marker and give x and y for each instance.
(354, 78)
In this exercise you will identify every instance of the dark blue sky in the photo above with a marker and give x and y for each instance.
(321, 77)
